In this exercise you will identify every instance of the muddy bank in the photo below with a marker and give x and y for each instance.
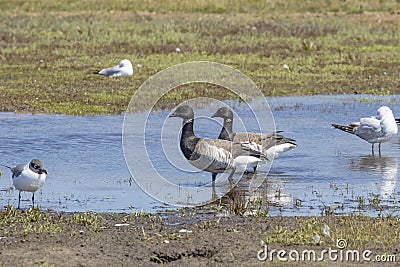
(34, 237)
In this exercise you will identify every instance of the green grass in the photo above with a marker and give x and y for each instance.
(206, 6)
(90, 220)
(359, 231)
(35, 221)
(15, 222)
(50, 48)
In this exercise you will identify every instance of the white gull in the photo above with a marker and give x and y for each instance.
(375, 129)
(124, 68)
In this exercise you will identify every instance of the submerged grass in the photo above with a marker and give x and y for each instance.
(50, 49)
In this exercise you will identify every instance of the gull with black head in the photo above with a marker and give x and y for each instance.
(28, 177)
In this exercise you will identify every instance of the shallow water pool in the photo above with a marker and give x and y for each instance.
(330, 171)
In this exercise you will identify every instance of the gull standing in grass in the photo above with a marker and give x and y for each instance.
(212, 155)
(271, 145)
(28, 177)
(375, 129)
(124, 68)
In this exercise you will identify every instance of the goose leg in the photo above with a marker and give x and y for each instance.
(213, 192)
(214, 176)
(373, 150)
(33, 199)
(379, 146)
(230, 180)
(247, 172)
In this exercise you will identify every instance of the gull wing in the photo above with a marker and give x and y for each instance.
(370, 124)
(369, 129)
(17, 170)
(111, 72)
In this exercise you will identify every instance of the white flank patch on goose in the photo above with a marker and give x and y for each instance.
(275, 151)
(241, 163)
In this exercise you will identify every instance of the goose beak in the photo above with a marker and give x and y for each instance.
(174, 114)
(215, 115)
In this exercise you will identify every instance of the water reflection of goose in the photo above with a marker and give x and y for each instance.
(387, 167)
(241, 199)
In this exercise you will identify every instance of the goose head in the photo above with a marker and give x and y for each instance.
(184, 112)
(224, 112)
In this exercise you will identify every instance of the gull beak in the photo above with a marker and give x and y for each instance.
(41, 171)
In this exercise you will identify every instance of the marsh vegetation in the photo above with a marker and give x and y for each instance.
(49, 50)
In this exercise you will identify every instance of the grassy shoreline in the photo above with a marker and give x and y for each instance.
(189, 238)
(50, 50)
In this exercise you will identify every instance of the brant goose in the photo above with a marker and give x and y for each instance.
(28, 177)
(375, 129)
(271, 145)
(212, 155)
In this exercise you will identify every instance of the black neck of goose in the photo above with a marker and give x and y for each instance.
(188, 139)
(226, 132)
(187, 128)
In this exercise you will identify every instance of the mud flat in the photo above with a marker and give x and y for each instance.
(187, 238)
